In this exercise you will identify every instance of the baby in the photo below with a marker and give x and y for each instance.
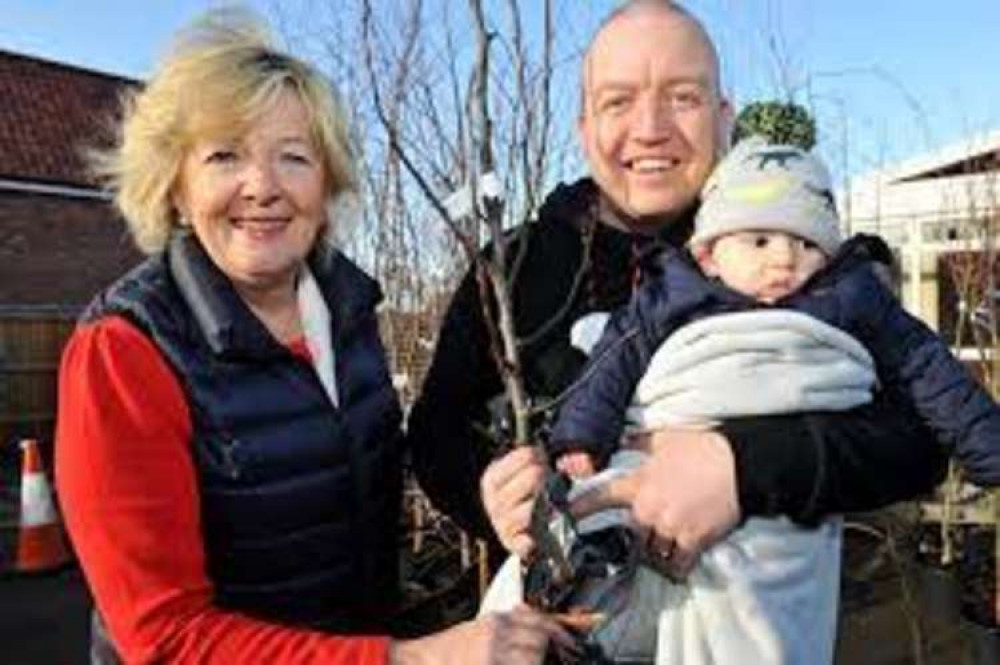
(765, 258)
(769, 312)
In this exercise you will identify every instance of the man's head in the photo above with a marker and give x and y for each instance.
(767, 220)
(653, 118)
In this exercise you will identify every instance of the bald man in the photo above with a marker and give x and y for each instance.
(653, 122)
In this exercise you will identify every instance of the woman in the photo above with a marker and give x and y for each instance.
(228, 438)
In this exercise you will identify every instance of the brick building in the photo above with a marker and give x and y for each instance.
(60, 241)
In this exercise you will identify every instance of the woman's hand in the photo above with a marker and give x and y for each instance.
(518, 637)
(509, 486)
(685, 493)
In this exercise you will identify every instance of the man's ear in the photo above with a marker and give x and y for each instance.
(726, 120)
(583, 105)
(583, 120)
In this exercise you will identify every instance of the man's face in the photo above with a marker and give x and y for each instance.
(653, 119)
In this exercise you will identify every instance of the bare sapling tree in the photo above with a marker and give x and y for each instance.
(975, 272)
(467, 114)
(489, 115)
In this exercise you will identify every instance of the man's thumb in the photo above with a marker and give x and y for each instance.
(616, 493)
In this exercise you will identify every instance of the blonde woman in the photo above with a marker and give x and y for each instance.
(228, 438)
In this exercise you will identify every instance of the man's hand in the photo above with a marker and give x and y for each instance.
(509, 486)
(685, 493)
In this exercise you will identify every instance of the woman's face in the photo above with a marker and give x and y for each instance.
(257, 202)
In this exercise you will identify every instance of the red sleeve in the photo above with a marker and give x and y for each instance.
(129, 493)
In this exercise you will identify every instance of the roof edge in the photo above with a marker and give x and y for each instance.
(964, 148)
(58, 64)
(37, 187)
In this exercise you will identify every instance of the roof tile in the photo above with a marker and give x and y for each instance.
(50, 113)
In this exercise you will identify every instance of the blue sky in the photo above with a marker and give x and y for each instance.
(903, 76)
(888, 79)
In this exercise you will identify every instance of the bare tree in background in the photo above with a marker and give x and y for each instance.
(470, 124)
(494, 129)
(973, 273)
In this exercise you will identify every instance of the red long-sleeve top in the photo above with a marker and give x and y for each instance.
(129, 494)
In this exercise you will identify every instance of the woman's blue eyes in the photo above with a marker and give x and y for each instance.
(298, 158)
(229, 156)
(220, 156)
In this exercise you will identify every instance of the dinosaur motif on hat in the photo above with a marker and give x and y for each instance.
(780, 157)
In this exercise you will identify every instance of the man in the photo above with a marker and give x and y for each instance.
(653, 123)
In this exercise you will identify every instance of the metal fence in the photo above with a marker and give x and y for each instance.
(31, 343)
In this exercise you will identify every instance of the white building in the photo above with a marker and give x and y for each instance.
(927, 208)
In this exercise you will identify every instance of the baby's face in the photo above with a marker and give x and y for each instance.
(765, 265)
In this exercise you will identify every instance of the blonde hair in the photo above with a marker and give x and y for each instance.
(222, 73)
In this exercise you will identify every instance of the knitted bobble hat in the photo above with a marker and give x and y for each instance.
(761, 187)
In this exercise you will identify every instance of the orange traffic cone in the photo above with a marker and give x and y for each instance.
(41, 545)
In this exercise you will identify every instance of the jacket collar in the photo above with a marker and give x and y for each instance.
(581, 203)
(228, 325)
